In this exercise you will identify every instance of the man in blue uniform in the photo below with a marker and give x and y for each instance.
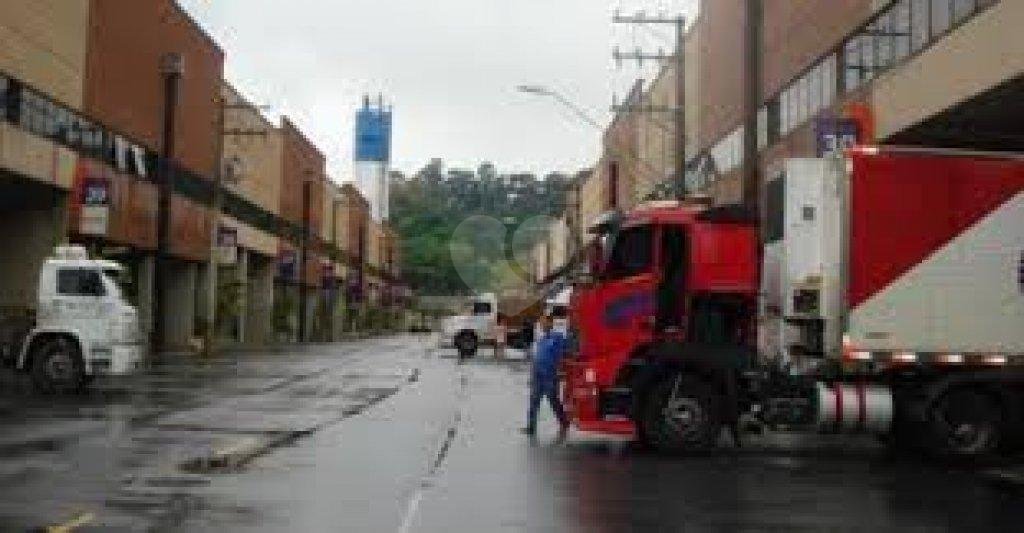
(549, 350)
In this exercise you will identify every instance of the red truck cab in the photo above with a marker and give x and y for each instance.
(677, 288)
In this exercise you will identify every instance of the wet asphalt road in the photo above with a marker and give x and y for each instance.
(390, 435)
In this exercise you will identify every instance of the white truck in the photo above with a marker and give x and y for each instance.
(480, 325)
(82, 325)
(466, 332)
(889, 300)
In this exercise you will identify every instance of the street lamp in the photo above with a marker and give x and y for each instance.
(540, 90)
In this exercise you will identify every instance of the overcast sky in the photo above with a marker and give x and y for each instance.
(449, 68)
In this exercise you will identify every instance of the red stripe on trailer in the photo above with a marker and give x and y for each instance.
(904, 208)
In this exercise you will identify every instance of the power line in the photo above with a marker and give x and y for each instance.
(640, 56)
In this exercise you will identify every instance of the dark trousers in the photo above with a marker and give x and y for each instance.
(540, 388)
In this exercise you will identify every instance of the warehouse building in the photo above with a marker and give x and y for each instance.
(940, 73)
(42, 132)
(107, 109)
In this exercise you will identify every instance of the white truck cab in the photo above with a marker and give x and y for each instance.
(466, 332)
(84, 326)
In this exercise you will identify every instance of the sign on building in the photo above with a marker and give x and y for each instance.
(227, 245)
(95, 206)
(836, 135)
(287, 265)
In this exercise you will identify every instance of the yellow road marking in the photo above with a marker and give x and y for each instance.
(67, 527)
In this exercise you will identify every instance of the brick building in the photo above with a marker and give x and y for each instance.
(83, 94)
(124, 89)
(41, 93)
(921, 72)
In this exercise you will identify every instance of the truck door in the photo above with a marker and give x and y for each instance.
(627, 293)
(80, 302)
(672, 289)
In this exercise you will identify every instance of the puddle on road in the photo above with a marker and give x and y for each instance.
(163, 511)
(29, 447)
(413, 504)
(176, 481)
(241, 454)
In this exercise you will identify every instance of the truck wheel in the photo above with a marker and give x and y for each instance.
(680, 414)
(57, 366)
(466, 344)
(966, 423)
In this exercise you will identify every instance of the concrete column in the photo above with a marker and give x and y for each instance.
(312, 312)
(28, 240)
(146, 285)
(259, 301)
(179, 307)
(203, 295)
(338, 313)
(289, 299)
(243, 294)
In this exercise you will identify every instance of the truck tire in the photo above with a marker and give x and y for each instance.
(57, 366)
(466, 343)
(680, 414)
(965, 423)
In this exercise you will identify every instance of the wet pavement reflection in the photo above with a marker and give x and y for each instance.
(392, 435)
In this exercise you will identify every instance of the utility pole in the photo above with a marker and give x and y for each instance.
(679, 63)
(210, 335)
(303, 255)
(335, 292)
(752, 197)
(172, 67)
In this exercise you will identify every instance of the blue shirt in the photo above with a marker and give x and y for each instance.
(548, 352)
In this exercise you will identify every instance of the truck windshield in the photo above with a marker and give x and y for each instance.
(631, 253)
(481, 308)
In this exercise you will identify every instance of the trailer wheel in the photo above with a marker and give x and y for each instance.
(680, 414)
(57, 366)
(466, 343)
(966, 423)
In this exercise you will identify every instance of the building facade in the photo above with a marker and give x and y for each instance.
(125, 90)
(86, 101)
(251, 169)
(939, 73)
(936, 73)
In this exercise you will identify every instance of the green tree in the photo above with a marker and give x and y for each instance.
(427, 207)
